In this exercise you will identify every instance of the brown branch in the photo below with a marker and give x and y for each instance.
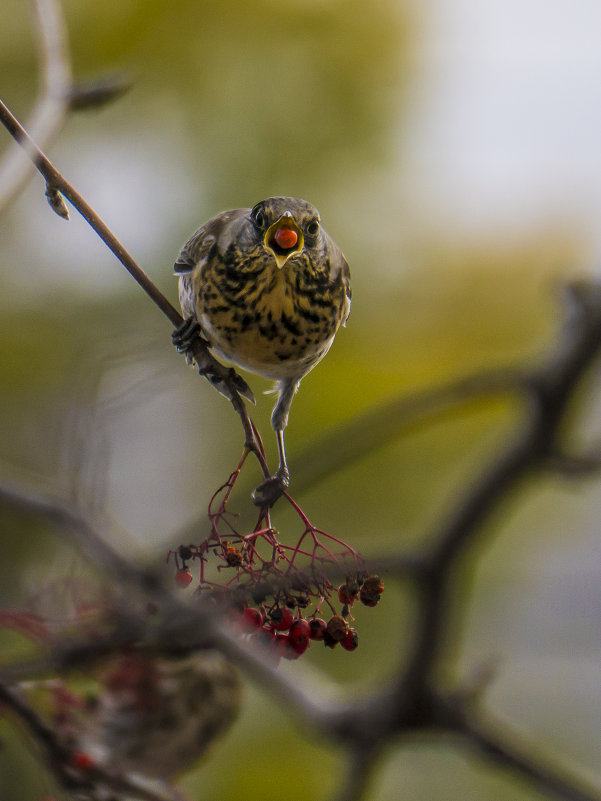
(57, 185)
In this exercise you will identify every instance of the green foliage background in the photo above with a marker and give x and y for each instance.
(232, 102)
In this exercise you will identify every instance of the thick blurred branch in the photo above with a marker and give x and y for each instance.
(381, 424)
(511, 752)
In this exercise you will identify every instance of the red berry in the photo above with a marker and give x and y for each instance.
(281, 619)
(295, 649)
(351, 641)
(252, 617)
(286, 238)
(300, 631)
(183, 577)
(81, 760)
(318, 628)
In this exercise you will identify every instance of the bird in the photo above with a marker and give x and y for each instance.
(268, 289)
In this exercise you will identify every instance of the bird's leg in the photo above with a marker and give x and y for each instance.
(267, 493)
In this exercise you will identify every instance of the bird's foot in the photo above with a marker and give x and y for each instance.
(267, 493)
(185, 334)
(222, 378)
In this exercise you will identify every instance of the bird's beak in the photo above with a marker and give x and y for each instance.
(284, 238)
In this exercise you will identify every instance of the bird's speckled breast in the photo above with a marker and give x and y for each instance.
(276, 322)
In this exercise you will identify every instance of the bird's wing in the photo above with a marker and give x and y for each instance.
(195, 252)
(198, 248)
(342, 274)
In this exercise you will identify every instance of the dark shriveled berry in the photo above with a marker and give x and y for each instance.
(373, 585)
(337, 628)
(368, 599)
(347, 593)
(184, 552)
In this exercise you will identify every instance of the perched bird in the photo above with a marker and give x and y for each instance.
(268, 289)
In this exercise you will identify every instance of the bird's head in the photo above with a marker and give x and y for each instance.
(285, 225)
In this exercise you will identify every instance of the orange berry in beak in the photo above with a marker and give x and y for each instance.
(286, 238)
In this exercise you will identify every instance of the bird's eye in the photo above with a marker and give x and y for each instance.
(313, 228)
(258, 218)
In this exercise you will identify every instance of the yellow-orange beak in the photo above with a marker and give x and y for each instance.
(283, 239)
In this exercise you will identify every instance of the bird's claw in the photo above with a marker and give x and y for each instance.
(217, 376)
(267, 493)
(185, 334)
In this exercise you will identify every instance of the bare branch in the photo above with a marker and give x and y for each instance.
(512, 752)
(51, 108)
(207, 364)
(551, 388)
(360, 764)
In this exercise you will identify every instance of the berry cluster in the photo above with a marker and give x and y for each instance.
(278, 592)
(291, 632)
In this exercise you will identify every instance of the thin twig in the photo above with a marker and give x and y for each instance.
(56, 184)
(51, 108)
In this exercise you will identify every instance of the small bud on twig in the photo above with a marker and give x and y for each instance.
(57, 204)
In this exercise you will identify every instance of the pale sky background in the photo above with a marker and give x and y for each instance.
(505, 128)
